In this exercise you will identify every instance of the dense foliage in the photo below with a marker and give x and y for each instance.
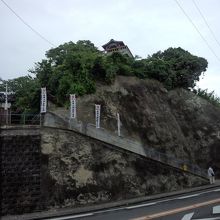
(27, 96)
(176, 67)
(76, 67)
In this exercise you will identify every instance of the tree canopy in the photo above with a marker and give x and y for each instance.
(27, 93)
(76, 67)
(176, 67)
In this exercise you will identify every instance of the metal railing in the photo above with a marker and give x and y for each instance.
(20, 119)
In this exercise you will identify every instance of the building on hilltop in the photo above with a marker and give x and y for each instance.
(117, 46)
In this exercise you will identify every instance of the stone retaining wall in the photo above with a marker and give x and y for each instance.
(51, 168)
(20, 171)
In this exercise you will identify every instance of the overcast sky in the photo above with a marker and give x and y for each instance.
(146, 26)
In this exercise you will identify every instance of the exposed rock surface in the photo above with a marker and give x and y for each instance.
(84, 171)
(177, 122)
(78, 170)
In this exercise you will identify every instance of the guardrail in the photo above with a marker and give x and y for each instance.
(20, 119)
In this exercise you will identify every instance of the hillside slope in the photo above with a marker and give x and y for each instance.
(177, 122)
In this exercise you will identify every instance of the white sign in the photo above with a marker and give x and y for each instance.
(97, 115)
(43, 106)
(119, 124)
(72, 106)
(6, 97)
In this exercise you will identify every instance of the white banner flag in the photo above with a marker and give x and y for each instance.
(97, 115)
(72, 106)
(43, 106)
(119, 124)
(6, 97)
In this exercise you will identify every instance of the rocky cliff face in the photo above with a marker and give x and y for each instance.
(79, 170)
(176, 122)
(200, 124)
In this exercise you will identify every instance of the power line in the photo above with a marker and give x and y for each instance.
(204, 19)
(203, 38)
(25, 23)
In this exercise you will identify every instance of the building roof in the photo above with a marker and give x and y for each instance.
(112, 41)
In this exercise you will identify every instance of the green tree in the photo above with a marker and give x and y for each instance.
(27, 93)
(123, 63)
(75, 67)
(68, 69)
(176, 67)
(43, 71)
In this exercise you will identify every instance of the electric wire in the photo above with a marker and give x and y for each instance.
(25, 23)
(203, 38)
(204, 19)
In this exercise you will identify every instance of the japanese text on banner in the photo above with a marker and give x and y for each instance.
(43, 106)
(72, 106)
(97, 115)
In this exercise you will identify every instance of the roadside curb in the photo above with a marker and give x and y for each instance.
(71, 211)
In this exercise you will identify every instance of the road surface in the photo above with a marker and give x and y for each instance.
(200, 205)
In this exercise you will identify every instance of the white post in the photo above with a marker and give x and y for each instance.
(72, 106)
(119, 124)
(97, 115)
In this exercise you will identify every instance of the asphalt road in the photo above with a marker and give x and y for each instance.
(196, 206)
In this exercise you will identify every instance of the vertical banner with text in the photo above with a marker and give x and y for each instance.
(97, 115)
(72, 106)
(119, 124)
(6, 97)
(43, 106)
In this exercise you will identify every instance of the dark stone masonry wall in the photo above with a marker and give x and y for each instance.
(20, 173)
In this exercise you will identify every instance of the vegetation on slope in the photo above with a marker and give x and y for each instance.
(209, 96)
(76, 67)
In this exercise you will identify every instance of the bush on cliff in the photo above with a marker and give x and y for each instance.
(209, 96)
